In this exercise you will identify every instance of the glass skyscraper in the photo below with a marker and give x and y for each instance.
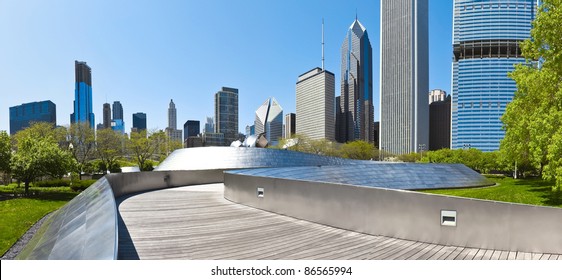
(23, 115)
(83, 95)
(356, 111)
(486, 38)
(139, 121)
(226, 114)
(404, 115)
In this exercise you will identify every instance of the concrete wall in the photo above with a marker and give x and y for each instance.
(405, 214)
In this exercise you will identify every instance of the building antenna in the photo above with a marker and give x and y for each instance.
(322, 44)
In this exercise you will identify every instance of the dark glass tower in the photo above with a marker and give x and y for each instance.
(226, 114)
(191, 129)
(139, 121)
(83, 95)
(23, 115)
(106, 115)
(117, 110)
(356, 115)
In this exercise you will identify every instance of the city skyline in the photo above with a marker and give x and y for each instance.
(133, 76)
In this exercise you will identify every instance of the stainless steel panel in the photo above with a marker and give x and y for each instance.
(85, 228)
(404, 214)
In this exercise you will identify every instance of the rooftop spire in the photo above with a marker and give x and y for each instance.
(322, 44)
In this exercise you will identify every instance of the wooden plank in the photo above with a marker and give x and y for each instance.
(503, 255)
(471, 254)
(488, 255)
(453, 255)
(536, 256)
(512, 255)
(424, 253)
(196, 222)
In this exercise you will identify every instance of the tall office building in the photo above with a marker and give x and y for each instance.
(439, 120)
(437, 95)
(290, 125)
(139, 121)
(210, 125)
(172, 115)
(356, 116)
(269, 120)
(315, 117)
(117, 110)
(486, 38)
(23, 115)
(404, 115)
(191, 129)
(118, 123)
(83, 95)
(171, 131)
(226, 114)
(106, 115)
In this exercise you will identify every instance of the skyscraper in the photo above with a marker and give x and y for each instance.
(117, 110)
(315, 117)
(486, 38)
(226, 114)
(83, 95)
(172, 115)
(404, 115)
(269, 120)
(172, 131)
(139, 121)
(439, 120)
(210, 125)
(106, 115)
(191, 129)
(23, 115)
(290, 125)
(356, 116)
(117, 123)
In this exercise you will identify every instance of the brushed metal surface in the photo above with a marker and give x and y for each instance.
(85, 228)
(405, 214)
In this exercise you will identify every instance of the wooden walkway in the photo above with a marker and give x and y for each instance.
(196, 222)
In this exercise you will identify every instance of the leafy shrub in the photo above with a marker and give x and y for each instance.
(52, 183)
(79, 186)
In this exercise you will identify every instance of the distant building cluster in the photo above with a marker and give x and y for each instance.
(486, 45)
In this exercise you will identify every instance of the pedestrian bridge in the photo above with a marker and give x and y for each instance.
(289, 205)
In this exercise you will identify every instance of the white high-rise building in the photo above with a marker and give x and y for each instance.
(269, 119)
(315, 116)
(404, 110)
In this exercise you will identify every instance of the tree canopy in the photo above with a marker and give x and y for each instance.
(533, 119)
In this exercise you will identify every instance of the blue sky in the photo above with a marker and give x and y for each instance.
(144, 53)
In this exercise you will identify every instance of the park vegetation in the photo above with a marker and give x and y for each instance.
(533, 120)
(43, 152)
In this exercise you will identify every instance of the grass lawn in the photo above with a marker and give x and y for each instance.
(526, 191)
(19, 214)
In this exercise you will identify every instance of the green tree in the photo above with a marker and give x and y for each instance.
(5, 154)
(109, 148)
(37, 157)
(142, 147)
(357, 150)
(533, 120)
(82, 138)
(45, 131)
